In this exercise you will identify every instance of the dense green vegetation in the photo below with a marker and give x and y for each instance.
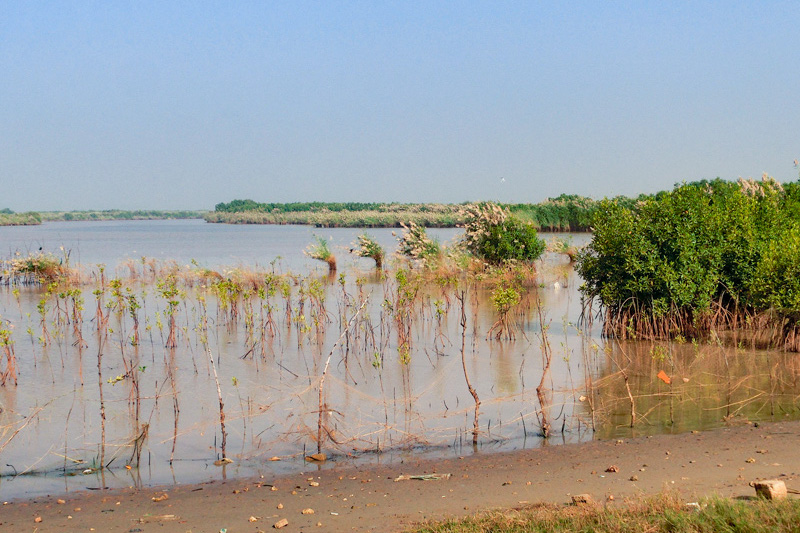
(564, 213)
(663, 514)
(701, 258)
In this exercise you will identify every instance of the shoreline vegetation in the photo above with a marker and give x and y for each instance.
(35, 218)
(567, 213)
(10, 218)
(570, 213)
(118, 214)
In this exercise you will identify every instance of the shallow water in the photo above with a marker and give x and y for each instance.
(212, 245)
(384, 395)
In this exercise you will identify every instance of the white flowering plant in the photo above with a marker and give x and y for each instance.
(497, 237)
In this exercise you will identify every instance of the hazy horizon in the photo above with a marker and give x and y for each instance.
(172, 106)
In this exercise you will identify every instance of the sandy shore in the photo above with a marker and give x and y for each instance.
(720, 462)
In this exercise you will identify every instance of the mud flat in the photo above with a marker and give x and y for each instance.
(371, 498)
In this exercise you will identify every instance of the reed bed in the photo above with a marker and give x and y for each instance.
(564, 213)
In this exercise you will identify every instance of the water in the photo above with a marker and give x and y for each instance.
(395, 382)
(213, 245)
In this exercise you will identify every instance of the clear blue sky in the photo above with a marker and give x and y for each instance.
(141, 104)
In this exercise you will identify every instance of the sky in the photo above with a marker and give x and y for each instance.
(181, 105)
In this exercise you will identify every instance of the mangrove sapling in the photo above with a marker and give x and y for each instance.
(270, 290)
(547, 354)
(315, 291)
(504, 299)
(377, 364)
(439, 336)
(133, 309)
(102, 403)
(76, 299)
(624, 377)
(221, 404)
(249, 315)
(262, 323)
(45, 338)
(402, 309)
(100, 318)
(170, 367)
(168, 290)
(589, 347)
(7, 343)
(286, 293)
(322, 252)
(323, 408)
(475, 428)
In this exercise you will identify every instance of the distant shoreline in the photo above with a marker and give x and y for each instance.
(35, 218)
(571, 213)
(564, 213)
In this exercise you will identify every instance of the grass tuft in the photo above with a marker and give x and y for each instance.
(662, 513)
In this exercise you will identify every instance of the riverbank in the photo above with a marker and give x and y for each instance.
(564, 213)
(371, 498)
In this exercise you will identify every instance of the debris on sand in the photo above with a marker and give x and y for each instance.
(423, 477)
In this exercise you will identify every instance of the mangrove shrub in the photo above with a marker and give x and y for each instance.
(695, 258)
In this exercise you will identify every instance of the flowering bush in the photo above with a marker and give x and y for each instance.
(495, 236)
(39, 267)
(415, 243)
(367, 246)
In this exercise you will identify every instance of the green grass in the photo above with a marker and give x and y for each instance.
(663, 513)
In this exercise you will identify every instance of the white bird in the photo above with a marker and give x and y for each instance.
(502, 180)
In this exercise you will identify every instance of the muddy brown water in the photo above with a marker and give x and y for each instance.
(151, 414)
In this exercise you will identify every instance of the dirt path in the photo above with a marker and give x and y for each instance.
(368, 499)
